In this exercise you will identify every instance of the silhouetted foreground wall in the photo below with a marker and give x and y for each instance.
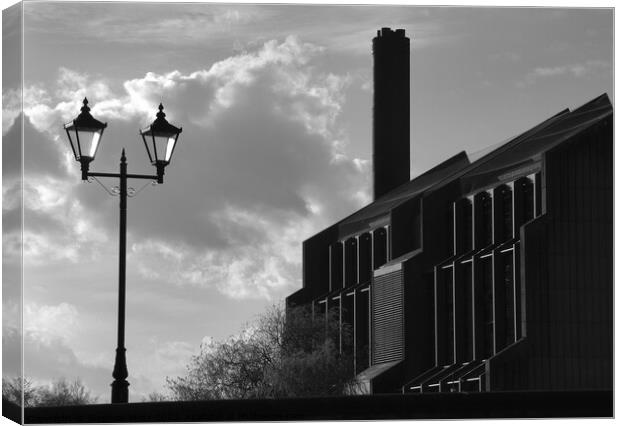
(11, 411)
(372, 407)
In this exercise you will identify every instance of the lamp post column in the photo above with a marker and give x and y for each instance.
(120, 386)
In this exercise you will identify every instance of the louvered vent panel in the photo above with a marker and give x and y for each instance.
(387, 318)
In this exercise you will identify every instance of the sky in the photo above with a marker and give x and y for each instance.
(275, 103)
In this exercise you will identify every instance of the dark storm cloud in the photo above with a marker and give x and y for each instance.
(42, 154)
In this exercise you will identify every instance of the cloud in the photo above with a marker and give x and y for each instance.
(11, 108)
(260, 166)
(57, 226)
(51, 322)
(169, 359)
(47, 359)
(262, 258)
(577, 70)
(190, 24)
(343, 28)
(47, 332)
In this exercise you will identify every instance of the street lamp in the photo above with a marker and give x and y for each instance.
(160, 138)
(84, 134)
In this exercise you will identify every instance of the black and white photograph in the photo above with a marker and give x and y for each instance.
(306, 212)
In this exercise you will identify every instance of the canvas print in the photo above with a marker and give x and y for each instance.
(229, 212)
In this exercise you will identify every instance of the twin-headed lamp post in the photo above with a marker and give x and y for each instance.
(160, 139)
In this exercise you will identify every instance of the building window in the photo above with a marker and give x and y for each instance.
(486, 276)
(527, 189)
(335, 266)
(518, 299)
(365, 257)
(503, 213)
(450, 237)
(448, 283)
(417, 224)
(362, 330)
(463, 225)
(379, 247)
(350, 261)
(388, 242)
(348, 321)
(509, 292)
(537, 194)
(444, 315)
(524, 201)
(466, 280)
(484, 219)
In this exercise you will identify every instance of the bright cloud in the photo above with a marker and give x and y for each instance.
(57, 225)
(168, 360)
(11, 108)
(263, 257)
(49, 322)
(275, 162)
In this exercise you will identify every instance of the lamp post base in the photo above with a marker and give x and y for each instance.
(120, 391)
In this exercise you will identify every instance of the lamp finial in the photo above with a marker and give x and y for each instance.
(161, 113)
(85, 107)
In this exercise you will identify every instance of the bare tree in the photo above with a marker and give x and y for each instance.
(12, 390)
(156, 397)
(61, 392)
(283, 354)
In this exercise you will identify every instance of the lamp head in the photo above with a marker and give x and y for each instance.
(84, 134)
(160, 139)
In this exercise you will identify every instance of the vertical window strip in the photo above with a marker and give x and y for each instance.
(357, 260)
(509, 305)
(487, 312)
(529, 211)
(388, 241)
(515, 292)
(468, 225)
(537, 194)
(452, 228)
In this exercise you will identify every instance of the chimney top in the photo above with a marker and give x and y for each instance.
(387, 32)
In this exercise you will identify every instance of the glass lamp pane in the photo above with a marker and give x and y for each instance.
(95, 144)
(161, 145)
(71, 137)
(89, 140)
(170, 147)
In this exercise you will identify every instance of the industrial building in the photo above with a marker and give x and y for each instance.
(489, 275)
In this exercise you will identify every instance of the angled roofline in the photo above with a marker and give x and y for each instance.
(445, 164)
(505, 147)
(462, 155)
(534, 131)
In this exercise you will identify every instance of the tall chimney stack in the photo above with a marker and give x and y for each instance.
(390, 133)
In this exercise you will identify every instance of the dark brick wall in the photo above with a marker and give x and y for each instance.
(394, 406)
